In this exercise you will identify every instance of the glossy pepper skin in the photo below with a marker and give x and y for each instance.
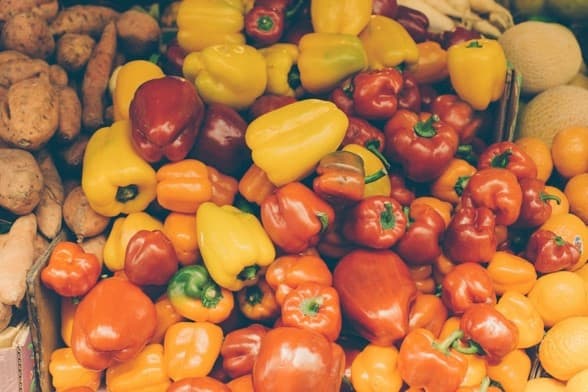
(180, 229)
(400, 191)
(113, 322)
(375, 289)
(198, 384)
(264, 25)
(421, 143)
(410, 95)
(512, 372)
(288, 142)
(449, 186)
(340, 178)
(362, 132)
(376, 222)
(459, 114)
(165, 116)
(268, 102)
(375, 93)
(470, 235)
(509, 156)
(240, 348)
(519, 309)
(255, 185)
(70, 271)
(414, 21)
(115, 186)
(465, 285)
(258, 302)
(296, 359)
(67, 373)
(377, 182)
(510, 272)
(431, 66)
(295, 217)
(283, 76)
(420, 244)
(477, 69)
(376, 367)
(145, 372)
(195, 296)
(549, 252)
(387, 8)
(167, 316)
(346, 17)
(234, 246)
(429, 312)
(535, 205)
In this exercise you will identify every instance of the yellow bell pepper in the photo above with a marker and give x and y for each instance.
(518, 308)
(115, 179)
(387, 43)
(283, 77)
(67, 373)
(510, 272)
(231, 74)
(120, 234)
(377, 182)
(512, 372)
(326, 59)
(477, 69)
(234, 246)
(375, 369)
(67, 310)
(202, 23)
(143, 373)
(340, 16)
(288, 142)
(128, 79)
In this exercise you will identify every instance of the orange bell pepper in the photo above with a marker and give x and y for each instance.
(423, 278)
(441, 267)
(191, 349)
(518, 308)
(143, 373)
(241, 384)
(67, 309)
(167, 316)
(204, 384)
(443, 208)
(511, 273)
(484, 386)
(181, 231)
(224, 188)
(428, 312)
(431, 66)
(450, 185)
(375, 369)
(512, 372)
(258, 302)
(66, 372)
(182, 186)
(255, 185)
(477, 370)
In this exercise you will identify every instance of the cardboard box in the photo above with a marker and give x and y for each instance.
(17, 363)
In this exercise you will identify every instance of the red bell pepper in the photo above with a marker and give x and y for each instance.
(375, 93)
(409, 97)
(361, 132)
(471, 235)
(342, 97)
(459, 114)
(457, 35)
(399, 190)
(550, 252)
(340, 179)
(385, 7)
(414, 21)
(508, 155)
(295, 217)
(429, 312)
(70, 271)
(240, 348)
(465, 285)
(375, 289)
(376, 222)
(535, 206)
(165, 115)
(264, 25)
(268, 102)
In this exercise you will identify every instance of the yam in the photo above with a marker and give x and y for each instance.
(138, 33)
(13, 71)
(11, 55)
(49, 210)
(95, 245)
(83, 19)
(96, 77)
(80, 218)
(29, 34)
(47, 9)
(29, 116)
(21, 181)
(16, 258)
(40, 245)
(58, 75)
(5, 316)
(70, 115)
(74, 50)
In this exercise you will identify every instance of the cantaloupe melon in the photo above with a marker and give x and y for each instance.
(554, 109)
(546, 54)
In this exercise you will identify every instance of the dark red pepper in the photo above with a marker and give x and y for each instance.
(387, 8)
(173, 59)
(267, 103)
(550, 252)
(535, 208)
(457, 35)
(415, 22)
(409, 97)
(508, 155)
(399, 190)
(361, 132)
(459, 114)
(428, 95)
(375, 93)
(240, 348)
(264, 25)
(342, 97)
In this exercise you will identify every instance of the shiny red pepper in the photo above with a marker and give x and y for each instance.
(550, 252)
(409, 97)
(264, 25)
(150, 258)
(459, 114)
(414, 21)
(375, 93)
(361, 132)
(465, 285)
(240, 348)
(387, 8)
(268, 102)
(340, 179)
(399, 191)
(342, 97)
(536, 206)
(508, 155)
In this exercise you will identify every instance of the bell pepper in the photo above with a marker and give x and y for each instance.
(234, 246)
(150, 258)
(165, 116)
(421, 243)
(470, 235)
(287, 272)
(376, 178)
(264, 25)
(190, 349)
(475, 375)
(423, 145)
(167, 316)
(375, 369)
(496, 189)
(224, 188)
(143, 373)
(387, 8)
(508, 155)
(333, 245)
(202, 23)
(70, 271)
(511, 273)
(112, 323)
(518, 308)
(346, 16)
(375, 93)
(450, 184)
(387, 43)
(423, 279)
(376, 222)
(458, 35)
(459, 114)
(313, 306)
(283, 76)
(431, 66)
(535, 206)
(465, 285)
(268, 102)
(340, 179)
(198, 384)
(122, 230)
(258, 302)
(114, 186)
(296, 359)
(375, 289)
(288, 142)
(295, 217)
(255, 185)
(127, 80)
(326, 59)
(180, 229)
(231, 74)
(240, 348)
(488, 328)
(450, 326)
(414, 22)
(477, 69)
(549, 252)
(67, 373)
(365, 134)
(409, 97)
(173, 58)
(426, 363)
(512, 372)
(342, 96)
(241, 384)
(429, 312)
(67, 310)
(400, 191)
(195, 296)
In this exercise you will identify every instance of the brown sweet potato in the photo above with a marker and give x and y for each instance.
(80, 218)
(29, 34)
(49, 210)
(21, 181)
(73, 155)
(70, 115)
(47, 9)
(95, 245)
(11, 55)
(5, 316)
(40, 245)
(74, 51)
(58, 75)
(138, 33)
(83, 19)
(13, 71)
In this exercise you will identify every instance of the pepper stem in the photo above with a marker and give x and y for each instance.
(460, 184)
(547, 196)
(127, 193)
(485, 384)
(324, 219)
(502, 159)
(471, 348)
(444, 345)
(253, 295)
(425, 128)
(375, 176)
(559, 241)
(474, 44)
(311, 306)
(294, 77)
(387, 218)
(265, 23)
(211, 295)
(248, 273)
(373, 145)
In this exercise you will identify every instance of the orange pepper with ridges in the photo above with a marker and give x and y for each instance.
(167, 316)
(182, 186)
(441, 267)
(255, 185)
(258, 302)
(518, 308)
(450, 326)
(429, 312)
(143, 373)
(511, 272)
(477, 369)
(224, 188)
(423, 278)
(66, 372)
(443, 208)
(512, 372)
(181, 231)
(431, 65)
(375, 369)
(450, 185)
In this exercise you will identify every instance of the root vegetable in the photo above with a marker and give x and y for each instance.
(80, 218)
(138, 32)
(11, 55)
(29, 34)
(21, 181)
(40, 245)
(49, 210)
(83, 19)
(70, 115)
(47, 9)
(58, 76)
(95, 245)
(73, 155)
(74, 51)
(5, 316)
(438, 21)
(16, 70)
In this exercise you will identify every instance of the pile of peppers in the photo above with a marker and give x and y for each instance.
(304, 197)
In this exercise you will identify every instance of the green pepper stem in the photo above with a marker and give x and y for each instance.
(211, 295)
(375, 176)
(471, 348)
(466, 152)
(324, 219)
(444, 345)
(485, 384)
(265, 23)
(474, 44)
(373, 145)
(425, 128)
(311, 306)
(547, 196)
(559, 241)
(127, 193)
(253, 295)
(387, 218)
(248, 273)
(502, 159)
(460, 184)
(294, 77)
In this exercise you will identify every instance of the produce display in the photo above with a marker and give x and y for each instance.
(297, 195)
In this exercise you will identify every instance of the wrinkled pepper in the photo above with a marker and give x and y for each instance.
(340, 16)
(511, 273)
(549, 252)
(167, 316)
(276, 139)
(340, 178)
(508, 155)
(512, 372)
(182, 186)
(465, 285)
(180, 229)
(424, 279)
(283, 77)
(234, 246)
(459, 114)
(377, 182)
(518, 308)
(470, 235)
(535, 206)
(258, 302)
(410, 95)
(114, 186)
(431, 66)
(414, 22)
(361, 132)
(150, 258)
(375, 369)
(429, 312)
(240, 348)
(255, 185)
(67, 373)
(375, 93)
(450, 184)
(143, 373)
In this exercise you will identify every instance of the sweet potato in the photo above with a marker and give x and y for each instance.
(74, 51)
(95, 245)
(29, 34)
(80, 218)
(58, 75)
(11, 55)
(70, 115)
(30, 114)
(16, 257)
(5, 316)
(16, 70)
(49, 210)
(40, 245)
(73, 154)
(96, 77)
(21, 181)
(83, 19)
(138, 33)
(47, 9)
